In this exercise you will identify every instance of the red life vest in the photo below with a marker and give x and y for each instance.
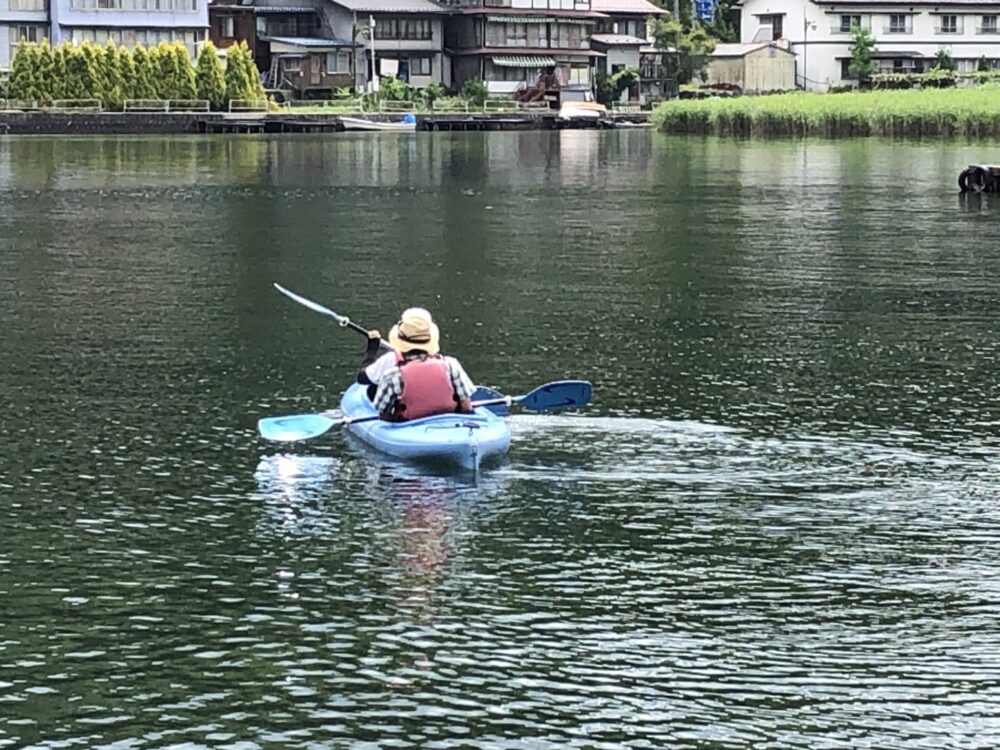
(427, 388)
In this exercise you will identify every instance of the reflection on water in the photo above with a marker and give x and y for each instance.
(773, 528)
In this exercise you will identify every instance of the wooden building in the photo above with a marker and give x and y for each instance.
(752, 68)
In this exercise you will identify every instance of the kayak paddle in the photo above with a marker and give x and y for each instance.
(562, 394)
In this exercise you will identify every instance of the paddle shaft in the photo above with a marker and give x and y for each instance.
(342, 320)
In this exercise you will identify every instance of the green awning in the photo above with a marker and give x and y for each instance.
(523, 61)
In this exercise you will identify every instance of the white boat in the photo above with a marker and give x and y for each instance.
(409, 123)
(580, 105)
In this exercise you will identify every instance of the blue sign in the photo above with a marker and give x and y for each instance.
(705, 9)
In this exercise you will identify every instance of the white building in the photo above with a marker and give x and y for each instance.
(21, 20)
(908, 34)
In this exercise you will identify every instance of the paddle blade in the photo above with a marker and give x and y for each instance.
(314, 306)
(562, 394)
(482, 393)
(294, 427)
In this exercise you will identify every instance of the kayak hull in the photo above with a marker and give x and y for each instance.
(459, 440)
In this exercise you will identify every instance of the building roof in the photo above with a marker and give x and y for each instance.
(618, 40)
(643, 7)
(267, 9)
(741, 50)
(308, 41)
(973, 3)
(526, 51)
(523, 61)
(554, 15)
(393, 6)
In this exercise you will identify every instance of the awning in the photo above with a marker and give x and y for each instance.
(523, 61)
(540, 19)
(519, 19)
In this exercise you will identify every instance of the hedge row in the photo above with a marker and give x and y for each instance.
(114, 74)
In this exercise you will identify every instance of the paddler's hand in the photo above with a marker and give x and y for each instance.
(374, 340)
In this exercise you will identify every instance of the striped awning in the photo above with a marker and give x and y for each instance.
(519, 19)
(540, 19)
(523, 61)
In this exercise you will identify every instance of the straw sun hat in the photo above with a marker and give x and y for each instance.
(415, 330)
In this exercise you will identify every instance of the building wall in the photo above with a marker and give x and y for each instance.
(19, 19)
(728, 71)
(815, 35)
(768, 69)
(627, 56)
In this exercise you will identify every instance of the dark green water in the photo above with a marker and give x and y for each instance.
(776, 527)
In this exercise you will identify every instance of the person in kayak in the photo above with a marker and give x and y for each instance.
(415, 380)
(380, 355)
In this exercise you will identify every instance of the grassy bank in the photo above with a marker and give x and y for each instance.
(971, 112)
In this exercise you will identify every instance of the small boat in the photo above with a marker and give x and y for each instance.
(458, 440)
(408, 123)
(580, 105)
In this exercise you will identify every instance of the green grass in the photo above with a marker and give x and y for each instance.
(966, 112)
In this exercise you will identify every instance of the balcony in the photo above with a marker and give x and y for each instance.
(23, 5)
(897, 29)
(952, 30)
(988, 29)
(838, 29)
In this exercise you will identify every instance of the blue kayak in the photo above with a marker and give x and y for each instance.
(463, 440)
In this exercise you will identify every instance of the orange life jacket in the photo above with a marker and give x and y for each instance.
(427, 388)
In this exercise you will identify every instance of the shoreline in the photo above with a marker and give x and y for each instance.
(204, 123)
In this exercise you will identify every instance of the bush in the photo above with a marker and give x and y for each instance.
(475, 91)
(432, 92)
(391, 89)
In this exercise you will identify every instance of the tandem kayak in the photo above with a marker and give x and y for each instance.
(462, 440)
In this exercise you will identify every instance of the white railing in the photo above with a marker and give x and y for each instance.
(166, 105)
(987, 30)
(77, 105)
(450, 105)
(397, 107)
(248, 105)
(500, 105)
(626, 108)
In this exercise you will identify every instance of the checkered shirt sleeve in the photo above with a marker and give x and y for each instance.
(390, 388)
(460, 381)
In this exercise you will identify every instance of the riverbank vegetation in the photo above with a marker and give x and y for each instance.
(973, 112)
(114, 74)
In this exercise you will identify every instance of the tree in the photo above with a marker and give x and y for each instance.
(687, 49)
(983, 66)
(944, 61)
(22, 70)
(721, 26)
(45, 71)
(610, 88)
(861, 67)
(57, 87)
(126, 71)
(113, 94)
(210, 78)
(242, 76)
(92, 79)
(144, 86)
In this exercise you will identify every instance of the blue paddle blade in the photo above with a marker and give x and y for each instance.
(294, 427)
(563, 394)
(482, 393)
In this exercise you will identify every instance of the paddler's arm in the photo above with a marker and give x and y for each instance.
(371, 354)
(462, 384)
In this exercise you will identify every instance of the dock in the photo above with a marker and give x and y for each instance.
(131, 123)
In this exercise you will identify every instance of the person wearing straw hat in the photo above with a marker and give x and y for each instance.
(415, 380)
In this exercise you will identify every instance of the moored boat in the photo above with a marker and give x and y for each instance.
(461, 440)
(408, 123)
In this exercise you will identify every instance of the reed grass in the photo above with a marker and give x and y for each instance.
(968, 112)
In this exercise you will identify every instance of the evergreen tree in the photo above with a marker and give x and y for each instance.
(165, 77)
(211, 78)
(943, 61)
(44, 72)
(57, 87)
(242, 77)
(20, 73)
(113, 91)
(145, 74)
(126, 72)
(92, 85)
(983, 65)
(861, 66)
(184, 72)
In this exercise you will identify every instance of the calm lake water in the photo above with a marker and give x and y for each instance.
(777, 525)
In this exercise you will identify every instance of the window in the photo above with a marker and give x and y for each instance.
(849, 22)
(775, 22)
(291, 64)
(579, 75)
(338, 63)
(845, 72)
(228, 27)
(517, 34)
(949, 24)
(171, 6)
(420, 66)
(899, 24)
(27, 4)
(404, 28)
(989, 25)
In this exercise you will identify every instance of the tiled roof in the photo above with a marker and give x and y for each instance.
(642, 7)
(393, 6)
(739, 50)
(307, 41)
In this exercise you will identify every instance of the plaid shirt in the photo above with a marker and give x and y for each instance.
(390, 386)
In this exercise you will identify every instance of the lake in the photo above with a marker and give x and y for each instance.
(776, 526)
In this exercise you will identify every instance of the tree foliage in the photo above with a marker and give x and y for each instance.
(861, 67)
(687, 48)
(210, 78)
(943, 61)
(242, 77)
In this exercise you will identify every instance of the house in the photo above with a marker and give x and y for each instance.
(622, 37)
(129, 22)
(408, 38)
(758, 67)
(22, 20)
(511, 44)
(908, 35)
